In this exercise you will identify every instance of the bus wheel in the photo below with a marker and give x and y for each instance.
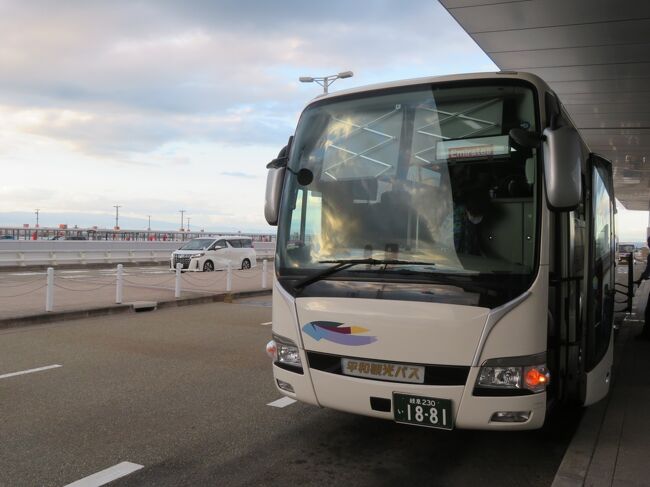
(246, 264)
(208, 266)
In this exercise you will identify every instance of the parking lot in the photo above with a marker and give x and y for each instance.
(187, 394)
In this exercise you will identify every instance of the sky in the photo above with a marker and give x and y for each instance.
(162, 105)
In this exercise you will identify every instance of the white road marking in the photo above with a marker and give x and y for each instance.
(268, 323)
(108, 475)
(39, 369)
(283, 402)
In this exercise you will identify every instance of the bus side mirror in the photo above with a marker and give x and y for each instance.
(562, 168)
(274, 182)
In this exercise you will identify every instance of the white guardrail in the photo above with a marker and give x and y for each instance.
(25, 253)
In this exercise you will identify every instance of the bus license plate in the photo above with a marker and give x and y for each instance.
(423, 411)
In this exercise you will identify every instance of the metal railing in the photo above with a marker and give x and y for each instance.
(218, 282)
(27, 253)
(626, 290)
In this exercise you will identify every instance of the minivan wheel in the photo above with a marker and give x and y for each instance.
(208, 266)
(246, 264)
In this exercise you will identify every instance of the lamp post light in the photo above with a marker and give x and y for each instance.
(182, 212)
(326, 81)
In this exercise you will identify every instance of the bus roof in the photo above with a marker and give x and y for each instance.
(531, 78)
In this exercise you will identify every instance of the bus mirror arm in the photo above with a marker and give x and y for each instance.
(526, 138)
(304, 175)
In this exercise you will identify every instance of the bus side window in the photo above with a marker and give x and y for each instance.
(305, 223)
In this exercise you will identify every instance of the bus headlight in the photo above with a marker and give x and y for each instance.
(284, 353)
(497, 375)
(288, 354)
(506, 377)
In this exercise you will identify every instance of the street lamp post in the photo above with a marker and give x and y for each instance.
(326, 81)
(37, 212)
(188, 223)
(149, 224)
(117, 216)
(182, 212)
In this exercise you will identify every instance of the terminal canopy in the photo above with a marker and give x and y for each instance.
(595, 54)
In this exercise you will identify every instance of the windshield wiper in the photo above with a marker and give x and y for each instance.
(342, 264)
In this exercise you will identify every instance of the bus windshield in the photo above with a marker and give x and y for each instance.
(424, 174)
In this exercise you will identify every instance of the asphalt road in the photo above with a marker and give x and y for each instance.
(184, 392)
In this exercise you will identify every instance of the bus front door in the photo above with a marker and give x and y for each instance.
(599, 343)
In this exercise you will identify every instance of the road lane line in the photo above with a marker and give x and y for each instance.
(39, 369)
(283, 402)
(268, 323)
(108, 475)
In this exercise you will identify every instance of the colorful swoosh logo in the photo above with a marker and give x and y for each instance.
(338, 333)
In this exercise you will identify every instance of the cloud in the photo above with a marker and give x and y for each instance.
(237, 174)
(120, 135)
(138, 75)
(206, 57)
(139, 101)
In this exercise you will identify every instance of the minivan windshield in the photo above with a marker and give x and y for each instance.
(426, 175)
(197, 244)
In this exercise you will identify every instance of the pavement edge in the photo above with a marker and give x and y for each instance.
(576, 466)
(45, 318)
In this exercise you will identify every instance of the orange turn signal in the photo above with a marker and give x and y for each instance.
(536, 377)
(272, 350)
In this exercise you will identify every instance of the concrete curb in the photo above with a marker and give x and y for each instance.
(578, 462)
(44, 318)
(577, 458)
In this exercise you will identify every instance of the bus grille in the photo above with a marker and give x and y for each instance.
(434, 375)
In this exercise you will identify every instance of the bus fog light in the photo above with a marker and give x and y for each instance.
(285, 386)
(510, 417)
(500, 377)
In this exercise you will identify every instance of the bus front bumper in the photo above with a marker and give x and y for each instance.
(353, 395)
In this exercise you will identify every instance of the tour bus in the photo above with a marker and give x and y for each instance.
(445, 254)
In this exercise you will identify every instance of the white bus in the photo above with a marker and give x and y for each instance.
(445, 254)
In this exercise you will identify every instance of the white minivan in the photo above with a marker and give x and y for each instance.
(209, 253)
